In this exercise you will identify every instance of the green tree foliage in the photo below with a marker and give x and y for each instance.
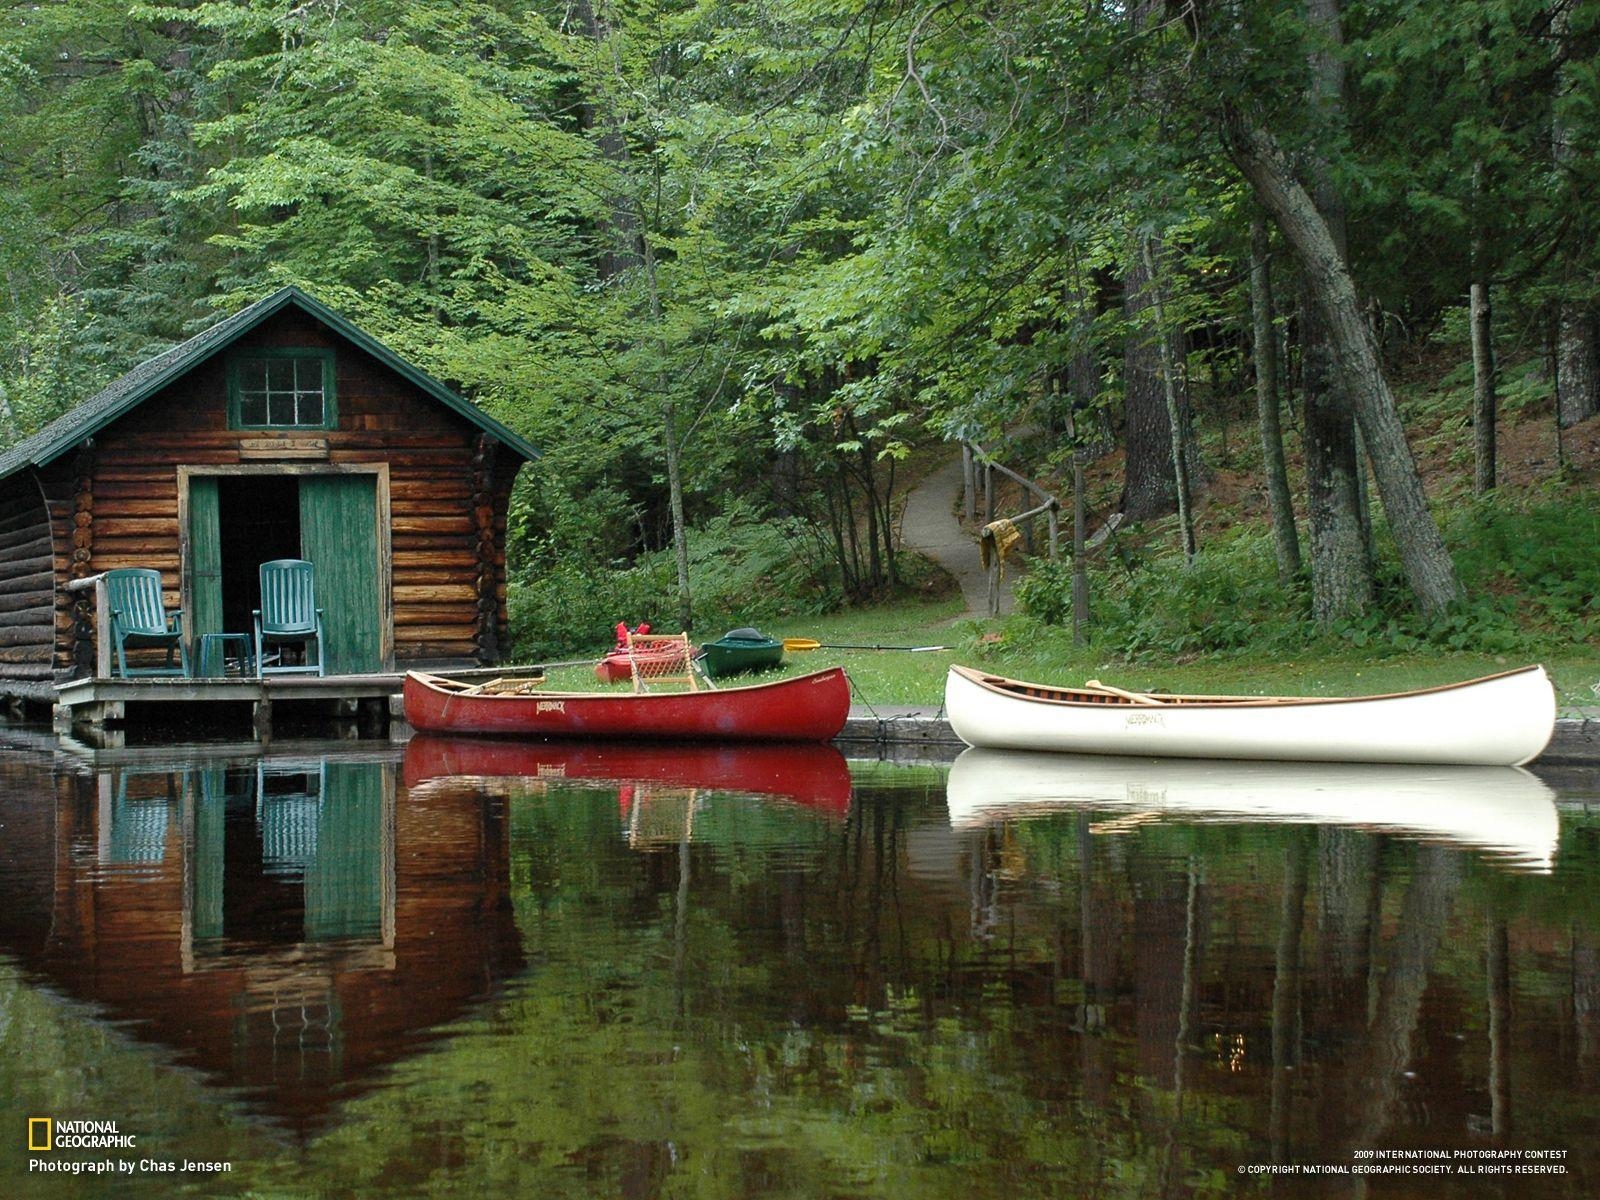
(100, 109)
(704, 250)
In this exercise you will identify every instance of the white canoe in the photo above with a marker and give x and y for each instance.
(1501, 810)
(1500, 720)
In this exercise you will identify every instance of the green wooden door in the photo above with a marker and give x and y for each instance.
(339, 536)
(205, 559)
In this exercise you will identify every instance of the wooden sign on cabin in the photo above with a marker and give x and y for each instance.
(282, 432)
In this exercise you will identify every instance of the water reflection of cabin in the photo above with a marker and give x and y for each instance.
(204, 462)
(281, 924)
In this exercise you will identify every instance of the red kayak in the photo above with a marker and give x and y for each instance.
(805, 708)
(656, 655)
(617, 665)
(815, 776)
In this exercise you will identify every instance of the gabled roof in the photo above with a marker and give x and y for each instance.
(149, 377)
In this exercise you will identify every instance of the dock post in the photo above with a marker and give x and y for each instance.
(373, 715)
(261, 718)
(95, 715)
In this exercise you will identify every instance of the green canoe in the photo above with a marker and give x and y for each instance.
(740, 650)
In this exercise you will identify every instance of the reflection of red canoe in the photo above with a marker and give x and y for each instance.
(814, 775)
(805, 708)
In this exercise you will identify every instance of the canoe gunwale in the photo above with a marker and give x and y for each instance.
(1089, 697)
(452, 687)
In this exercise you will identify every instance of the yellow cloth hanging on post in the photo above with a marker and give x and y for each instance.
(1001, 535)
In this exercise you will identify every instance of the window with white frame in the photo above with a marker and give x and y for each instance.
(281, 389)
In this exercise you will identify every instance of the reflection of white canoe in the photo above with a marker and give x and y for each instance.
(1499, 809)
(1500, 720)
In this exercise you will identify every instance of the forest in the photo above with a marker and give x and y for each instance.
(742, 268)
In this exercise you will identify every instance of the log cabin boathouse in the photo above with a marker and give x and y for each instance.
(281, 432)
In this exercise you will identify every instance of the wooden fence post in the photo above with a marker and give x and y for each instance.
(994, 573)
(969, 498)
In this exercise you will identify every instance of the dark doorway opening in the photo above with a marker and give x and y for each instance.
(258, 520)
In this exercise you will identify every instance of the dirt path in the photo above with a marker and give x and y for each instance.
(930, 527)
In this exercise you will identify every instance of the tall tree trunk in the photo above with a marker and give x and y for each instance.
(1577, 364)
(1149, 489)
(1341, 566)
(633, 248)
(1149, 475)
(621, 249)
(1286, 541)
(1484, 382)
(1577, 329)
(1080, 569)
(680, 528)
(1341, 572)
(673, 449)
(1169, 392)
(1426, 562)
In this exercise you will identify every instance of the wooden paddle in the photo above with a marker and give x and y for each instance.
(1136, 697)
(795, 645)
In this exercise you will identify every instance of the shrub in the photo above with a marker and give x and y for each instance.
(1228, 599)
(1543, 557)
(1526, 574)
(571, 609)
(742, 570)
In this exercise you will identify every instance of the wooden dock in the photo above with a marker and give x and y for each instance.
(98, 702)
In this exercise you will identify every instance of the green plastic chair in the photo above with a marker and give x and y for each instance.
(288, 615)
(139, 618)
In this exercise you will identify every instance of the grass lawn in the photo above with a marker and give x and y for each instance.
(1011, 647)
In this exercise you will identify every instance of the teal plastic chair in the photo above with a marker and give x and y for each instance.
(288, 615)
(139, 618)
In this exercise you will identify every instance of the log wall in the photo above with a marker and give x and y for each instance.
(116, 505)
(27, 585)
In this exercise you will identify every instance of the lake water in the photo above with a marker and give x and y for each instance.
(480, 969)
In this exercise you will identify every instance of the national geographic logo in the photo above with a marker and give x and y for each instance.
(48, 1133)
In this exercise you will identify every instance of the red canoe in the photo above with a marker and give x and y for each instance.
(812, 775)
(805, 708)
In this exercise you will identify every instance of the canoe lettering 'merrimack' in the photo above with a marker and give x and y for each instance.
(1499, 720)
(805, 708)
